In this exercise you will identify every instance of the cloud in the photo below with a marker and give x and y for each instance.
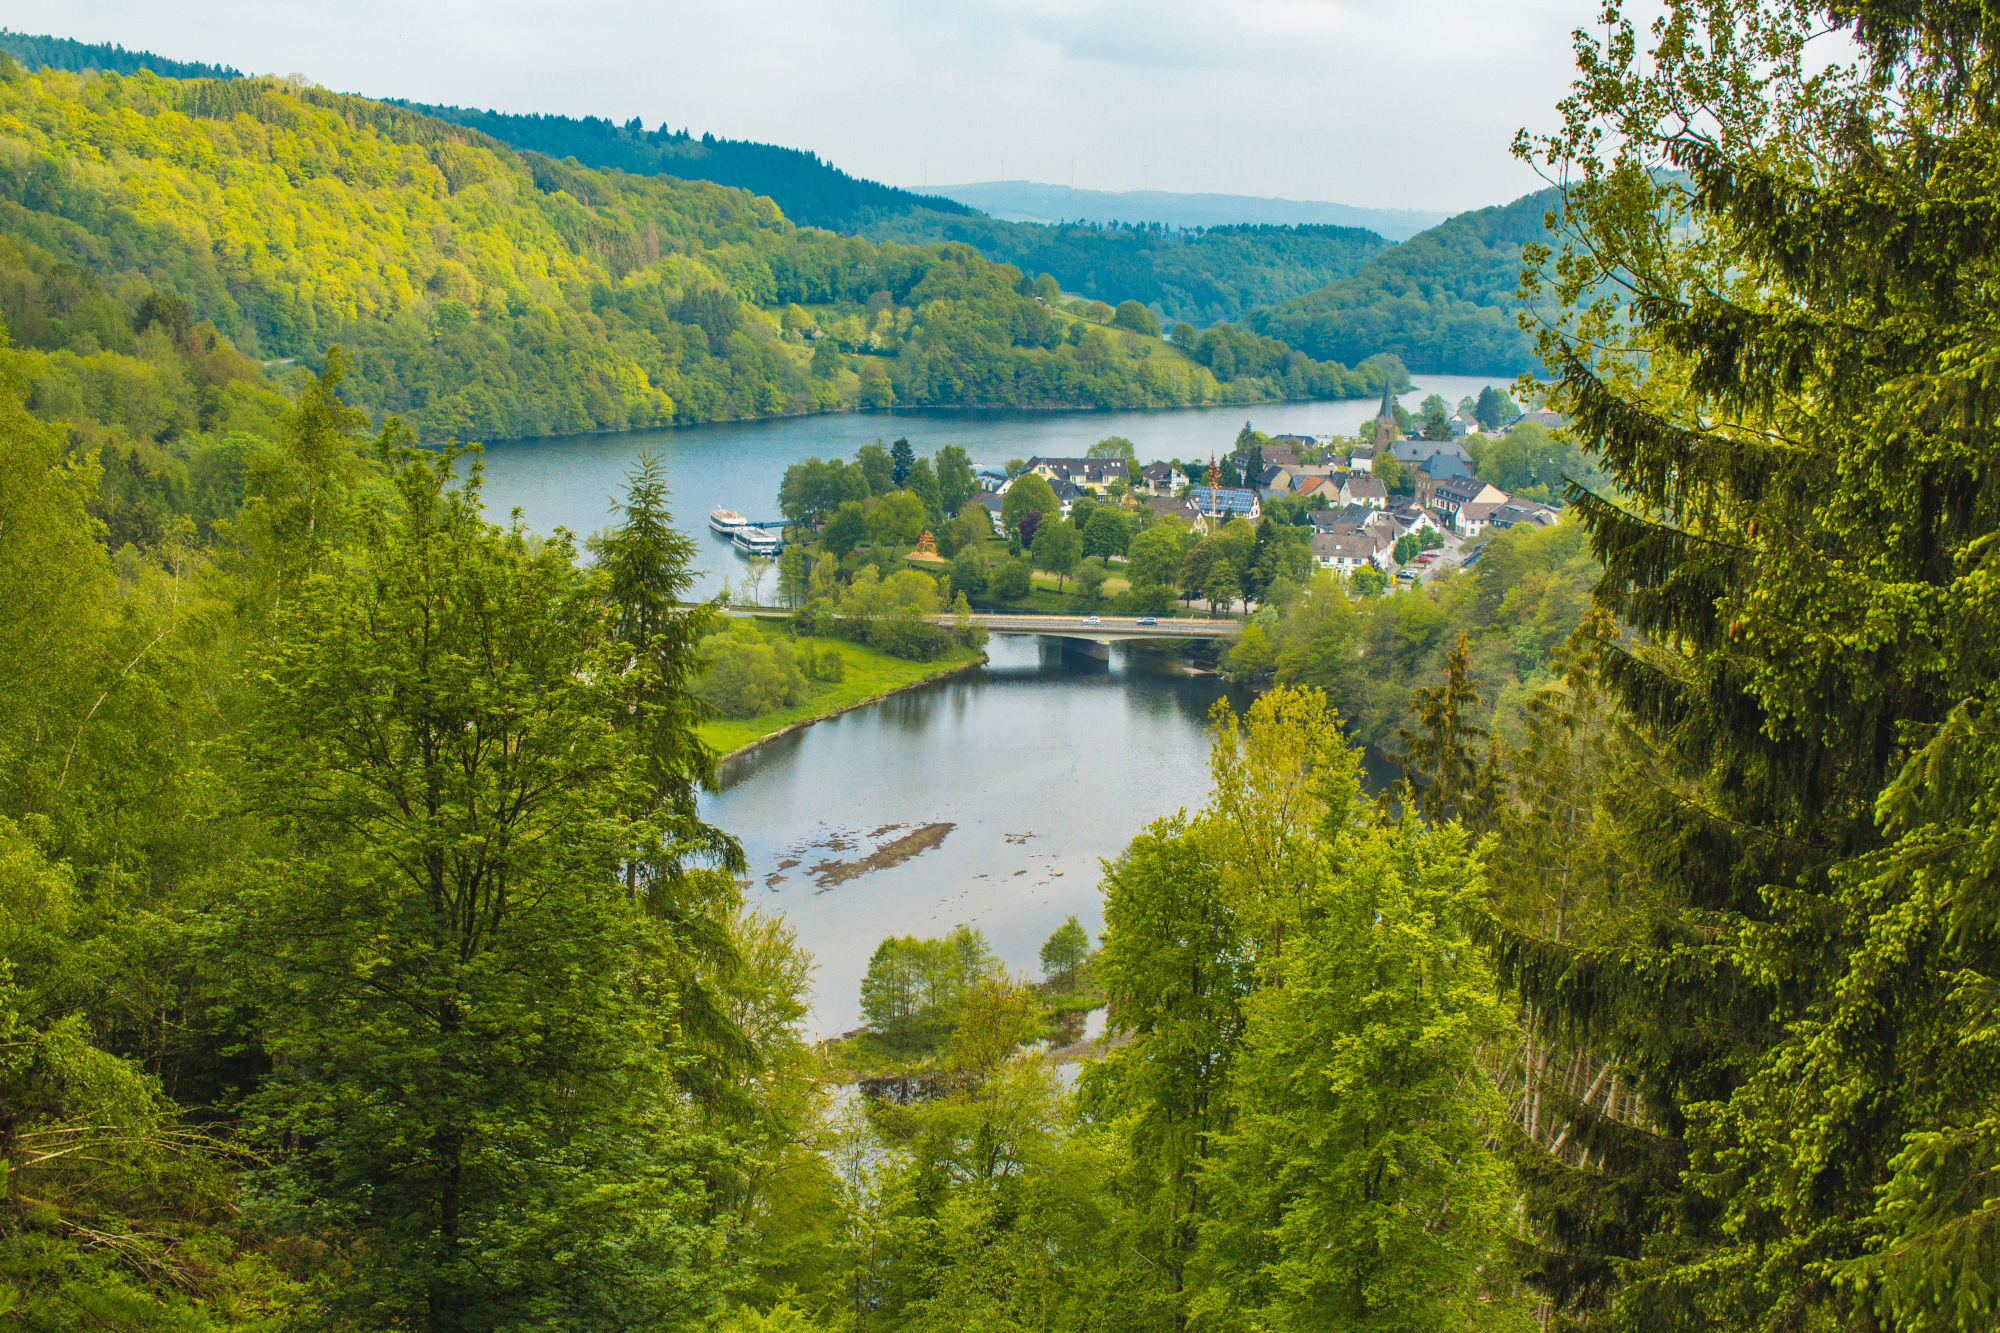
(1382, 102)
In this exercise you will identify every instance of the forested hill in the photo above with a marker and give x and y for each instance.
(811, 192)
(1193, 274)
(1184, 274)
(63, 53)
(486, 293)
(1443, 301)
(1220, 273)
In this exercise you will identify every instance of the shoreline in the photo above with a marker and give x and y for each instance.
(944, 673)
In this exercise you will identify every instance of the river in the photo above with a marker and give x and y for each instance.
(1042, 763)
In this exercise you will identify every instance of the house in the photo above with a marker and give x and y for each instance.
(1161, 479)
(1531, 512)
(1464, 423)
(1274, 481)
(1168, 506)
(991, 502)
(1474, 518)
(1415, 453)
(1091, 474)
(992, 479)
(1437, 468)
(1364, 490)
(1414, 518)
(1285, 450)
(1540, 416)
(1348, 550)
(1068, 492)
(1325, 487)
(1453, 495)
(1226, 503)
(1349, 516)
(1362, 459)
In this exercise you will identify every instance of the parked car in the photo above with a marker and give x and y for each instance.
(1425, 557)
(1407, 574)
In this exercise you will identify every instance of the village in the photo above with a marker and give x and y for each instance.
(1406, 505)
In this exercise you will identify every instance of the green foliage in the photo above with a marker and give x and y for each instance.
(1443, 301)
(1064, 952)
(746, 674)
(455, 1013)
(1029, 491)
(1057, 549)
(914, 988)
(486, 293)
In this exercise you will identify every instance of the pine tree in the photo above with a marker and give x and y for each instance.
(1804, 440)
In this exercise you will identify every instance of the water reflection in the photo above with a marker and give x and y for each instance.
(1045, 762)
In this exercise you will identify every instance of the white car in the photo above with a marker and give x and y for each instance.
(1092, 620)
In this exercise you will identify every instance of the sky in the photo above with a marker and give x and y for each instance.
(1379, 103)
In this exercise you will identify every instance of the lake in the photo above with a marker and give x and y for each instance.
(988, 799)
(570, 481)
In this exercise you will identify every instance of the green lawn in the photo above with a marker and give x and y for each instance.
(869, 675)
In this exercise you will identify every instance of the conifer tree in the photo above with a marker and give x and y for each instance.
(1792, 391)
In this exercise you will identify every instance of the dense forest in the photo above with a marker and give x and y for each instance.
(1443, 301)
(366, 964)
(811, 193)
(486, 293)
(64, 53)
(1199, 275)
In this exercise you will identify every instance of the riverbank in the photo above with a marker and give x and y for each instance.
(870, 676)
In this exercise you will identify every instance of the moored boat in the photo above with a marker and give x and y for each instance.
(726, 521)
(758, 541)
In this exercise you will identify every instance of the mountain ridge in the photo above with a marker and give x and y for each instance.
(1042, 202)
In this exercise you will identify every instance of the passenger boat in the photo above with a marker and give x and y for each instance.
(758, 541)
(726, 521)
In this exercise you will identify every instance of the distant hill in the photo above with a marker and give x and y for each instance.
(62, 53)
(1443, 301)
(1033, 201)
(1222, 273)
(811, 192)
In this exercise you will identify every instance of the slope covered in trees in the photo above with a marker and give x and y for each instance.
(811, 193)
(66, 54)
(484, 292)
(1443, 301)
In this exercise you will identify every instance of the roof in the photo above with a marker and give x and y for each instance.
(1511, 512)
(1480, 511)
(1158, 471)
(1465, 490)
(1163, 505)
(1439, 466)
(1361, 484)
(1308, 485)
(1222, 499)
(1352, 544)
(1270, 477)
(1091, 471)
(1412, 452)
(1064, 489)
(989, 500)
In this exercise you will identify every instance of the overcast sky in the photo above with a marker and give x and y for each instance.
(1387, 103)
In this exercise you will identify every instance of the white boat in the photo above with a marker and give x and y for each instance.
(758, 541)
(726, 521)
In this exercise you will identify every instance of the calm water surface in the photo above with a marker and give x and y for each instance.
(1043, 762)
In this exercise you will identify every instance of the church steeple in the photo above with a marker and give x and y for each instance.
(1385, 421)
